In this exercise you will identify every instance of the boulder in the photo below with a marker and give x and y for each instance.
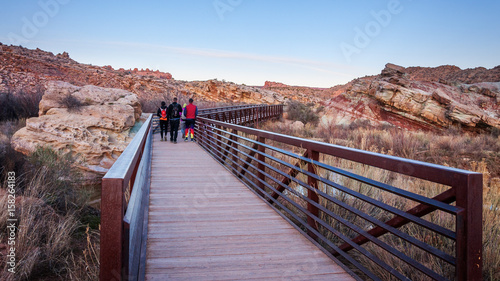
(298, 126)
(91, 123)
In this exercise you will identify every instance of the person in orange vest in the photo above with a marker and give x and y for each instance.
(162, 113)
(190, 112)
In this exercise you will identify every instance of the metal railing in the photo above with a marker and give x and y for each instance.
(292, 174)
(271, 164)
(124, 212)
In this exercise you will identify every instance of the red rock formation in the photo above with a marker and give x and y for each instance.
(269, 84)
(451, 73)
(25, 70)
(420, 104)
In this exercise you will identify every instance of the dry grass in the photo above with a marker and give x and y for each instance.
(479, 153)
(49, 207)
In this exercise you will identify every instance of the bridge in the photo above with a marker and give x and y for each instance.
(243, 203)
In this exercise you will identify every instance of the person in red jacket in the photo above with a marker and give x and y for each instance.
(190, 112)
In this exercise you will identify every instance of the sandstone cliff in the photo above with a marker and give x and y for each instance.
(92, 123)
(396, 98)
(218, 91)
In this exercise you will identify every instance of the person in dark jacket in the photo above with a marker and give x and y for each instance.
(190, 112)
(174, 114)
(162, 113)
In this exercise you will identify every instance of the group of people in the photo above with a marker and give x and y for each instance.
(175, 114)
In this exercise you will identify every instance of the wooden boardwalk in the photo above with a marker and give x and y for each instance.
(204, 224)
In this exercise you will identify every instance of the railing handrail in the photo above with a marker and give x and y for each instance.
(114, 257)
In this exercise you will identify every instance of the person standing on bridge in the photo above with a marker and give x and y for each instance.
(190, 112)
(183, 121)
(162, 113)
(174, 114)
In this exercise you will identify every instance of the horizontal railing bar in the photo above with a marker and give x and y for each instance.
(228, 108)
(297, 218)
(436, 173)
(406, 194)
(438, 229)
(420, 210)
(449, 259)
(224, 110)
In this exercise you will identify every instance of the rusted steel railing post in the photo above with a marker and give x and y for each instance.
(200, 132)
(262, 158)
(219, 142)
(312, 182)
(112, 212)
(234, 146)
(469, 226)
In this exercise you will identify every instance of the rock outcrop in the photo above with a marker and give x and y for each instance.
(92, 123)
(219, 91)
(394, 97)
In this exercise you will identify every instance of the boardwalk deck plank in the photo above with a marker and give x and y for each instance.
(204, 224)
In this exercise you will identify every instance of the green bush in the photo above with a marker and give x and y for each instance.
(304, 113)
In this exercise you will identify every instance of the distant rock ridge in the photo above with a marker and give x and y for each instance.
(451, 73)
(270, 84)
(28, 71)
(141, 72)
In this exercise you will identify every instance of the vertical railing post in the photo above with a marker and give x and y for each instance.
(260, 166)
(201, 132)
(312, 195)
(257, 113)
(219, 143)
(112, 228)
(469, 196)
(234, 146)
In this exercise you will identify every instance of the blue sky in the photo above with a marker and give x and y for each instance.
(318, 43)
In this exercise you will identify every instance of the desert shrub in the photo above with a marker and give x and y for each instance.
(304, 113)
(62, 194)
(495, 132)
(10, 160)
(71, 103)
(20, 105)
